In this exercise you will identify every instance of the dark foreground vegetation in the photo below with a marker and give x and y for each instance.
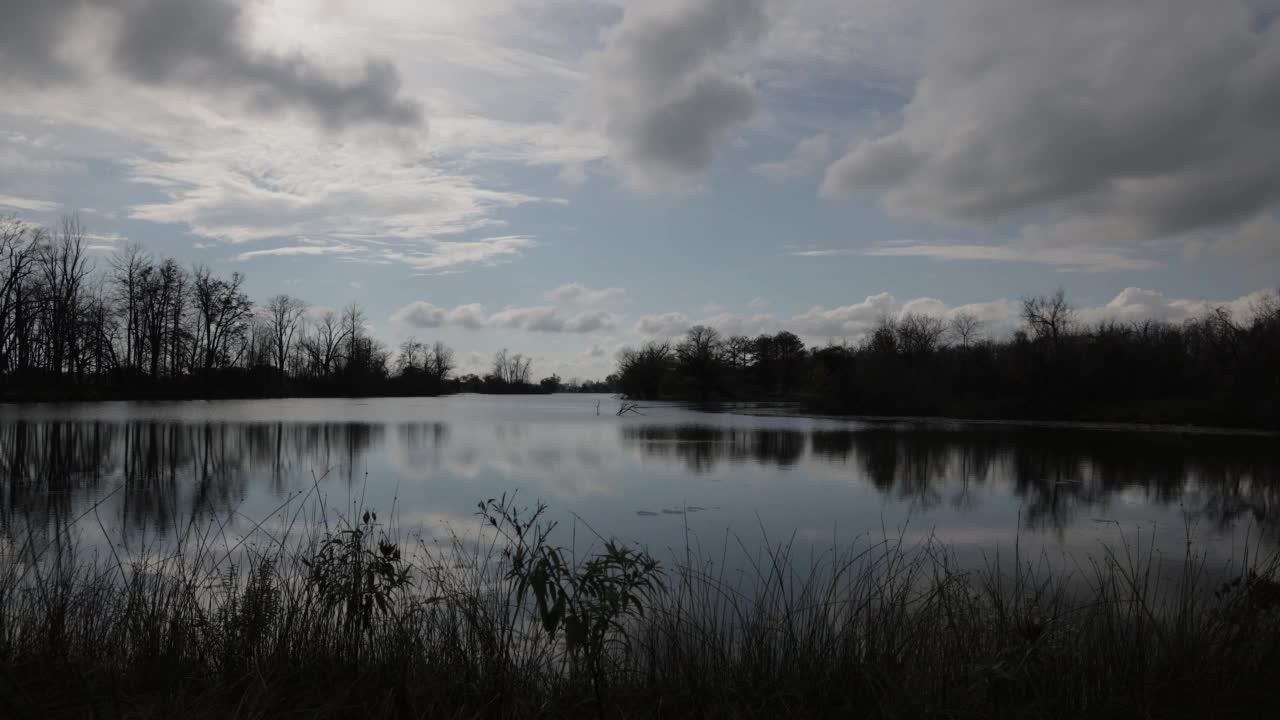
(137, 326)
(353, 621)
(1217, 369)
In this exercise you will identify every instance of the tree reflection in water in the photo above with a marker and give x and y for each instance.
(1057, 472)
(164, 474)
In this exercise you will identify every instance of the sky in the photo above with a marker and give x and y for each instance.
(568, 177)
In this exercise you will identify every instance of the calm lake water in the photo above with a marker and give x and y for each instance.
(141, 473)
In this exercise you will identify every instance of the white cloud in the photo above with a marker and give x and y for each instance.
(469, 316)
(440, 254)
(845, 321)
(664, 325)
(21, 203)
(294, 250)
(806, 157)
(582, 295)
(537, 319)
(1080, 257)
(999, 317)
(242, 172)
(549, 319)
(1136, 304)
(749, 325)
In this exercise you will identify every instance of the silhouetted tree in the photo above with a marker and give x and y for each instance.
(919, 334)
(1219, 368)
(641, 371)
(223, 314)
(966, 328)
(1048, 316)
(439, 362)
(701, 358)
(286, 315)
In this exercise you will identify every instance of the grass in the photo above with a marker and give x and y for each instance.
(315, 616)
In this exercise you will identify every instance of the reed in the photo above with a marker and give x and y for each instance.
(336, 616)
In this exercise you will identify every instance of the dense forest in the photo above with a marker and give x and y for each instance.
(138, 326)
(1216, 369)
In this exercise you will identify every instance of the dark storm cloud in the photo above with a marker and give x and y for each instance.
(1157, 117)
(29, 38)
(661, 89)
(198, 44)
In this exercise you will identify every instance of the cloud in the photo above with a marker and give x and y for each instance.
(1256, 240)
(670, 325)
(238, 185)
(421, 314)
(663, 91)
(209, 142)
(1083, 257)
(999, 317)
(295, 250)
(664, 325)
(548, 319)
(1136, 304)
(200, 45)
(806, 157)
(573, 292)
(424, 315)
(749, 325)
(1156, 118)
(441, 254)
(21, 203)
(845, 321)
(470, 316)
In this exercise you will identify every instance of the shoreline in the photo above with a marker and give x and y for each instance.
(792, 409)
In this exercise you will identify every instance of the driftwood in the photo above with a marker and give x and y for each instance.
(629, 407)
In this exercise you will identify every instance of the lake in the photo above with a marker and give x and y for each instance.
(143, 473)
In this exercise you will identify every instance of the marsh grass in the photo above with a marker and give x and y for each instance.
(322, 616)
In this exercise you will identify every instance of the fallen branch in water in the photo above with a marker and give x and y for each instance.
(629, 407)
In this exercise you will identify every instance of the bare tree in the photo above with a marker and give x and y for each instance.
(285, 315)
(18, 244)
(440, 361)
(353, 329)
(739, 351)
(919, 334)
(159, 290)
(702, 346)
(129, 264)
(259, 346)
(1048, 316)
(62, 267)
(500, 365)
(701, 356)
(326, 345)
(222, 313)
(966, 328)
(883, 340)
(412, 356)
(511, 369)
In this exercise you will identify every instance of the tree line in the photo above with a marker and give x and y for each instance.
(1214, 369)
(138, 325)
